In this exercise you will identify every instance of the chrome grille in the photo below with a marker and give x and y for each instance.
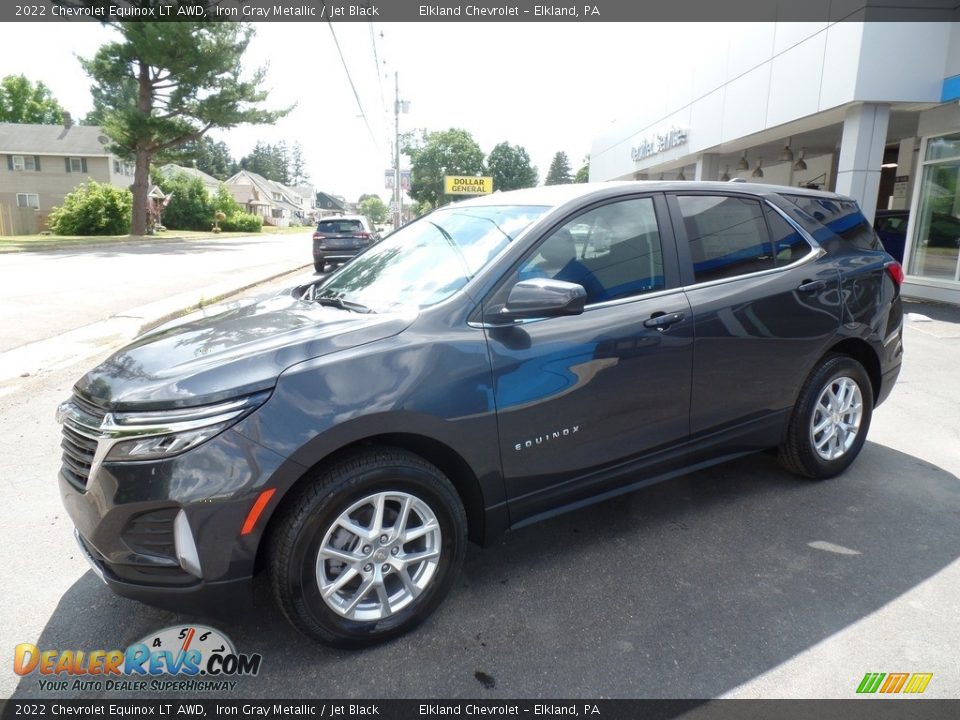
(79, 443)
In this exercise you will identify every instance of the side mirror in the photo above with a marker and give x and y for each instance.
(542, 298)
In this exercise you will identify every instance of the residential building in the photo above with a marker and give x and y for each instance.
(327, 204)
(210, 183)
(41, 164)
(868, 109)
(276, 203)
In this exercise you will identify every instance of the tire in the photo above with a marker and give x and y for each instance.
(830, 420)
(318, 267)
(376, 589)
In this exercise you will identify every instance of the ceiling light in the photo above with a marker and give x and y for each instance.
(888, 165)
(800, 164)
(758, 173)
(787, 154)
(743, 164)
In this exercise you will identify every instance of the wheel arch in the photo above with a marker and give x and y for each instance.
(861, 351)
(445, 458)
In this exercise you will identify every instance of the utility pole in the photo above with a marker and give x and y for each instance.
(398, 105)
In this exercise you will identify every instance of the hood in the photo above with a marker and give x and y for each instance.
(235, 352)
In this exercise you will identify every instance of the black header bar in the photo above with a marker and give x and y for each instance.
(480, 11)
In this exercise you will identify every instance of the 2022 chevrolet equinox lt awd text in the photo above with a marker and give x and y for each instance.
(479, 369)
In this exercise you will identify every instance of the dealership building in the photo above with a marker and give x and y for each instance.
(869, 110)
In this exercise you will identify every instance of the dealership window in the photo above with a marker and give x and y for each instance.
(727, 236)
(28, 200)
(935, 251)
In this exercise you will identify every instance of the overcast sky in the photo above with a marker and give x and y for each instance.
(545, 86)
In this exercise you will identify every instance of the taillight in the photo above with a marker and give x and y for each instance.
(362, 235)
(895, 271)
(319, 236)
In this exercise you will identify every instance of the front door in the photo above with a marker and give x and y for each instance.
(577, 396)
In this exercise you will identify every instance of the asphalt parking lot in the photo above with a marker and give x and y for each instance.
(739, 581)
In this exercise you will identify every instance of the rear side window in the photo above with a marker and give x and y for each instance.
(843, 217)
(788, 244)
(340, 226)
(728, 236)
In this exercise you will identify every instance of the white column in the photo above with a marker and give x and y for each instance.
(708, 167)
(861, 154)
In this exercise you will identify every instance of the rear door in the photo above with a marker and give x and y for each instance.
(766, 305)
(577, 396)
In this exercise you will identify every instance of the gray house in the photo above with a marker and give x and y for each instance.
(41, 164)
(276, 203)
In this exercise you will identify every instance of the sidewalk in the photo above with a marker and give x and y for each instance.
(70, 347)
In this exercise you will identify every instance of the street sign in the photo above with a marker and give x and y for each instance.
(389, 178)
(465, 185)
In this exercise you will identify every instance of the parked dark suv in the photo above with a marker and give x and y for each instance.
(482, 368)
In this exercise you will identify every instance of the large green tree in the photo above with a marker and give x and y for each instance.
(559, 172)
(186, 77)
(435, 154)
(22, 101)
(374, 209)
(510, 167)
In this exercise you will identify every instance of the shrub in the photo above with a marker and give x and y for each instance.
(190, 207)
(223, 201)
(93, 209)
(242, 222)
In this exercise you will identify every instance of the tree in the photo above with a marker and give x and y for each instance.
(559, 172)
(298, 166)
(23, 102)
(189, 207)
(435, 154)
(583, 174)
(187, 80)
(93, 209)
(270, 161)
(510, 167)
(374, 209)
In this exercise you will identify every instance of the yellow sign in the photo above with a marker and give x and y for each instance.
(461, 185)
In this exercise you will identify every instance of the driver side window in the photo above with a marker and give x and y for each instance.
(613, 251)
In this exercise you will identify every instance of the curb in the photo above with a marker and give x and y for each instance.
(220, 297)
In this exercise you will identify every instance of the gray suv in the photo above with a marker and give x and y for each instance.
(489, 365)
(340, 238)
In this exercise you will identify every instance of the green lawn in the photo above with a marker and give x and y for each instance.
(27, 243)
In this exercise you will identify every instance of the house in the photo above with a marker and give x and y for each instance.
(41, 164)
(276, 203)
(210, 183)
(329, 205)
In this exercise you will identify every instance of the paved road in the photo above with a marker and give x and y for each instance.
(43, 295)
(740, 581)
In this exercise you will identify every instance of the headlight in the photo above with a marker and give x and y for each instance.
(151, 435)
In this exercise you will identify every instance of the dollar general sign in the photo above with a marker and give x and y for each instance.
(462, 185)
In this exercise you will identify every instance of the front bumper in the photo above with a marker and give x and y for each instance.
(126, 515)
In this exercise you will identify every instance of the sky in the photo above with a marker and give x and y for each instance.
(548, 87)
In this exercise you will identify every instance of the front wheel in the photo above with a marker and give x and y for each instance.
(369, 550)
(830, 420)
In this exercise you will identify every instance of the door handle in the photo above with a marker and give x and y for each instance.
(809, 286)
(661, 321)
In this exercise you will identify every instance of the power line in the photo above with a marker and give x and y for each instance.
(353, 87)
(376, 62)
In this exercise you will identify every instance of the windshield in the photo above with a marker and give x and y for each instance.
(429, 260)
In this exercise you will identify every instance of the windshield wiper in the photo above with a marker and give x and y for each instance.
(343, 304)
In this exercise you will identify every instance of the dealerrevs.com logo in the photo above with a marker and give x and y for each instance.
(197, 657)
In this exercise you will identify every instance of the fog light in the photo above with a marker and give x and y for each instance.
(185, 546)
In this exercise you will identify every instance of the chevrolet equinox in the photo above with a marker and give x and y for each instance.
(493, 363)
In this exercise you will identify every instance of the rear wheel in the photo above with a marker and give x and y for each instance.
(319, 265)
(830, 420)
(369, 550)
